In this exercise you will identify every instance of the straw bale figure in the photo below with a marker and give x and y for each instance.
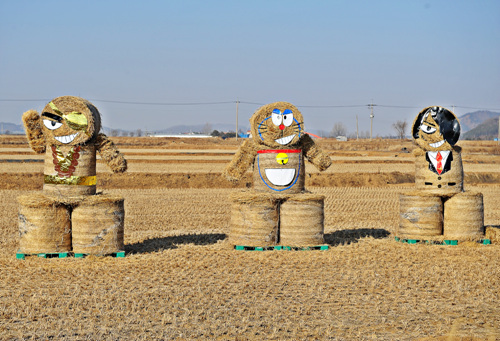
(278, 209)
(67, 133)
(439, 208)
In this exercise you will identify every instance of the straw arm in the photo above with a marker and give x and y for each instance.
(110, 154)
(314, 154)
(241, 161)
(33, 126)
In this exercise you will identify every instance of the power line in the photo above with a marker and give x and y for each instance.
(243, 102)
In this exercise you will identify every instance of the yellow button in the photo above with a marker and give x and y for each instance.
(282, 158)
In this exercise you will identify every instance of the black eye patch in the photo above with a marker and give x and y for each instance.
(52, 116)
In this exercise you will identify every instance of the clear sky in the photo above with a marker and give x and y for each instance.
(404, 55)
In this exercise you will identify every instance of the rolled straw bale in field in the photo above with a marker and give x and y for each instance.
(82, 180)
(493, 234)
(254, 219)
(44, 225)
(302, 220)
(464, 216)
(279, 170)
(421, 215)
(445, 184)
(98, 224)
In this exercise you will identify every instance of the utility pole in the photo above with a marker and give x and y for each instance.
(357, 130)
(237, 102)
(371, 120)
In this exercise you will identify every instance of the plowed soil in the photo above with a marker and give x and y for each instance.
(181, 279)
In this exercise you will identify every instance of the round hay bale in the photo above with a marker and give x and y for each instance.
(254, 219)
(445, 184)
(279, 171)
(302, 220)
(98, 225)
(464, 216)
(63, 181)
(420, 215)
(493, 234)
(44, 225)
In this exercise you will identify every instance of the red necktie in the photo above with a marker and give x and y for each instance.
(439, 164)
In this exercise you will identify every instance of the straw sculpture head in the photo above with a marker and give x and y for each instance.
(277, 125)
(436, 129)
(70, 121)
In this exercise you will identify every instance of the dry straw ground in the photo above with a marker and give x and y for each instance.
(180, 279)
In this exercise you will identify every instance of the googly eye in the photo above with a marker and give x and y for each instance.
(277, 117)
(52, 125)
(427, 129)
(287, 118)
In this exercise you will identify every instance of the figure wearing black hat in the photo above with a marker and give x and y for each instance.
(439, 208)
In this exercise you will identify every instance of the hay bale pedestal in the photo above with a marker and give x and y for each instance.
(261, 219)
(464, 216)
(302, 220)
(98, 225)
(420, 215)
(44, 225)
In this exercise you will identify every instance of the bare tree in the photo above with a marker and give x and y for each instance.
(138, 133)
(207, 129)
(400, 128)
(114, 132)
(338, 129)
(131, 134)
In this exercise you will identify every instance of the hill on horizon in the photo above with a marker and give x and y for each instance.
(471, 120)
(488, 130)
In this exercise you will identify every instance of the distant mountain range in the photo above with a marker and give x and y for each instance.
(11, 128)
(472, 120)
(488, 130)
(475, 125)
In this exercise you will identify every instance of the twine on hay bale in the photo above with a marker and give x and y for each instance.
(254, 219)
(302, 220)
(464, 216)
(44, 225)
(445, 184)
(268, 161)
(421, 215)
(98, 225)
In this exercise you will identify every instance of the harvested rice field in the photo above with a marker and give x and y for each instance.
(181, 280)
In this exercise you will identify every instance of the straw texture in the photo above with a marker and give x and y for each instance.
(446, 184)
(98, 225)
(85, 167)
(34, 133)
(44, 225)
(420, 215)
(268, 161)
(302, 220)
(254, 219)
(464, 216)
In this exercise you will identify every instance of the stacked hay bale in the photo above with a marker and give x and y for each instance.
(68, 213)
(439, 209)
(277, 210)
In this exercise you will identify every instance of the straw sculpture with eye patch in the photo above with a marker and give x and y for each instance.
(439, 209)
(67, 132)
(277, 209)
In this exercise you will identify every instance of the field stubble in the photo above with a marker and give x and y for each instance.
(181, 280)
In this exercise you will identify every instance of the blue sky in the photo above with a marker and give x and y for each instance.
(403, 55)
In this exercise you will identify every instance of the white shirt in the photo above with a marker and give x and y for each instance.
(433, 155)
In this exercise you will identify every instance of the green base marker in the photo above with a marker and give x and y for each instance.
(281, 248)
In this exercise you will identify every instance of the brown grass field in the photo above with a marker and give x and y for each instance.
(181, 280)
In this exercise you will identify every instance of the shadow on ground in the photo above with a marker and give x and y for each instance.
(346, 237)
(166, 243)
